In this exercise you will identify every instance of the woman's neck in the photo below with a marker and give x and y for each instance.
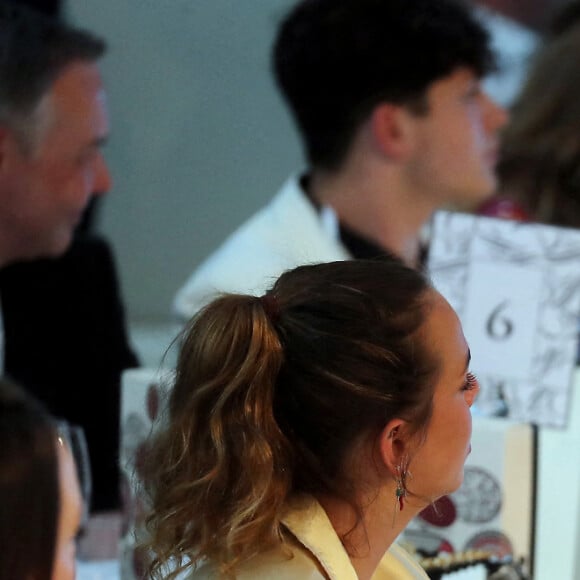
(367, 536)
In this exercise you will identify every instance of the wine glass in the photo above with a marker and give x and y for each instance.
(74, 436)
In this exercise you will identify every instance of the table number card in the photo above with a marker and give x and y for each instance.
(516, 289)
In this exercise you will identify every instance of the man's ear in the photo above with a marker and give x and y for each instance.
(394, 445)
(391, 130)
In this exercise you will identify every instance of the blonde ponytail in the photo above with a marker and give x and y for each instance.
(222, 453)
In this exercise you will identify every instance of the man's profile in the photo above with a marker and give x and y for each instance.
(53, 123)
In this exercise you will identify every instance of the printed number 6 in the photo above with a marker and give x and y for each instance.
(498, 326)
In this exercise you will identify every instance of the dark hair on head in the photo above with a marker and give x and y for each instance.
(29, 488)
(335, 60)
(540, 147)
(34, 50)
(270, 397)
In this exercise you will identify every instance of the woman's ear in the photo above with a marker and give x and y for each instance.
(394, 445)
(391, 130)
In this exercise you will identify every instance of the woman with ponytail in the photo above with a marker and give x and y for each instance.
(307, 427)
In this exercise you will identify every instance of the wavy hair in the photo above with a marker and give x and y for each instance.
(269, 398)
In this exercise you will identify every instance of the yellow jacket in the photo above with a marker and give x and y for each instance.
(317, 554)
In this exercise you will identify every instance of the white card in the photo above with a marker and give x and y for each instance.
(516, 289)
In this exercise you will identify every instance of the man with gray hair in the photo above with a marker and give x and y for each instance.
(62, 320)
(53, 122)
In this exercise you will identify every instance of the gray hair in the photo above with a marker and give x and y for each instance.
(34, 50)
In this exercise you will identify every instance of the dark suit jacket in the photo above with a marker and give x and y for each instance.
(65, 341)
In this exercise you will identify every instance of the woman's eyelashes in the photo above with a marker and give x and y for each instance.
(470, 383)
(470, 388)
